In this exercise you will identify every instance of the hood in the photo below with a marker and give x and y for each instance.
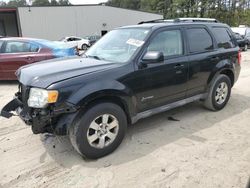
(45, 73)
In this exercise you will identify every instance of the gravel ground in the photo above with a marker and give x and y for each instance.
(202, 149)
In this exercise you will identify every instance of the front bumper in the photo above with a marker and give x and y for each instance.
(51, 120)
(10, 107)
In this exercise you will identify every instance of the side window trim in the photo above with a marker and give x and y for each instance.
(210, 34)
(163, 30)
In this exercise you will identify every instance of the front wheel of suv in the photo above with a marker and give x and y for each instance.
(99, 131)
(219, 93)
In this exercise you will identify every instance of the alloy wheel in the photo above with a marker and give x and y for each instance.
(221, 93)
(103, 131)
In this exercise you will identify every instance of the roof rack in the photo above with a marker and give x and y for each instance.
(181, 20)
(157, 21)
(196, 20)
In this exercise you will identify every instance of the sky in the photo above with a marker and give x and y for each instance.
(77, 2)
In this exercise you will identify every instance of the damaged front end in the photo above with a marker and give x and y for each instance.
(52, 119)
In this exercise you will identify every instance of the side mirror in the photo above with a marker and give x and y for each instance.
(153, 57)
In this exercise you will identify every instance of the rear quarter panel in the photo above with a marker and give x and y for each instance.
(228, 61)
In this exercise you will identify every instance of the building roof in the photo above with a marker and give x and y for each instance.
(7, 9)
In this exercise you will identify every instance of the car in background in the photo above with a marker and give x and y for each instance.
(244, 31)
(242, 42)
(92, 39)
(17, 52)
(81, 43)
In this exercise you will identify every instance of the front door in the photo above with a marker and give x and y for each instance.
(166, 82)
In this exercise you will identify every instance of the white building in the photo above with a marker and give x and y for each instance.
(55, 22)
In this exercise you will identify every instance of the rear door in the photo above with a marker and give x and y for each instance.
(16, 54)
(203, 56)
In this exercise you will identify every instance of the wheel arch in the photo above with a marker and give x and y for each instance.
(111, 96)
(225, 67)
(105, 91)
(230, 74)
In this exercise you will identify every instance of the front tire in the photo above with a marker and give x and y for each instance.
(219, 93)
(99, 131)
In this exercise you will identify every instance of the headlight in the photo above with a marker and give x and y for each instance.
(40, 98)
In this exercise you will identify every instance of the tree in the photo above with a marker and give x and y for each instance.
(54, 3)
(41, 3)
(17, 3)
(64, 2)
(50, 3)
(3, 4)
(232, 12)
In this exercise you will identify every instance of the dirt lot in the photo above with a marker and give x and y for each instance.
(203, 149)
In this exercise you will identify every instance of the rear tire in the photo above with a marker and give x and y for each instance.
(219, 93)
(99, 130)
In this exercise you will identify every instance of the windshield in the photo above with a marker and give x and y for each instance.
(118, 45)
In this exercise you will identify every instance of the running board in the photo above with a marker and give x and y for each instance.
(167, 107)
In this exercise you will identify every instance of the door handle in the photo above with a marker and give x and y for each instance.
(178, 66)
(29, 58)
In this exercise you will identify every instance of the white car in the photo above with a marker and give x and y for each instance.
(81, 43)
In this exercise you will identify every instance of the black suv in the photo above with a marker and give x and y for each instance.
(131, 73)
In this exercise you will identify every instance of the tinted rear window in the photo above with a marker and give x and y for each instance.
(199, 40)
(223, 37)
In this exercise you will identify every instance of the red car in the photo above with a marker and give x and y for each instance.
(17, 52)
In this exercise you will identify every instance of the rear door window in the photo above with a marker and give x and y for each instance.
(223, 37)
(20, 47)
(199, 40)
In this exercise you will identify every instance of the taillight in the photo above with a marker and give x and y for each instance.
(239, 57)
